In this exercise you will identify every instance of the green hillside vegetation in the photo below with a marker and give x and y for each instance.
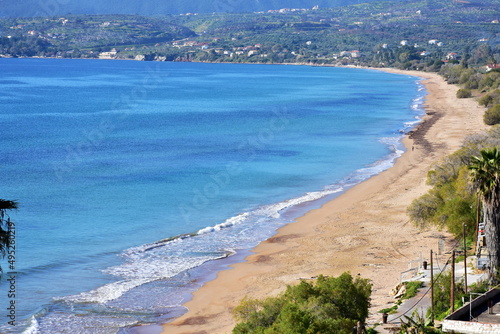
(442, 286)
(452, 201)
(83, 36)
(365, 34)
(477, 83)
(331, 305)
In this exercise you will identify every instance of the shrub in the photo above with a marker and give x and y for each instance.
(332, 305)
(452, 202)
(489, 81)
(452, 73)
(464, 93)
(412, 289)
(492, 115)
(389, 310)
(442, 295)
(490, 99)
(485, 100)
(417, 324)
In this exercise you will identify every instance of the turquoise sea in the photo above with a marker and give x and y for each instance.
(137, 181)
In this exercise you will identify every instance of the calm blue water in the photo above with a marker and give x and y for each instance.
(109, 159)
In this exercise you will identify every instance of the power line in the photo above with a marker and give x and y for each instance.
(429, 289)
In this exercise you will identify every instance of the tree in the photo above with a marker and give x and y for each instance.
(4, 225)
(332, 305)
(482, 54)
(485, 175)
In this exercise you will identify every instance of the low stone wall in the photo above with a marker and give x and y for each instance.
(458, 322)
(470, 327)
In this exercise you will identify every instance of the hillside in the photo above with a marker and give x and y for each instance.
(417, 35)
(26, 8)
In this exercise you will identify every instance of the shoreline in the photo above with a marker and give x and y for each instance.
(345, 233)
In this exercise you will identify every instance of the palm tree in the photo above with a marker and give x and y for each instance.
(485, 175)
(4, 228)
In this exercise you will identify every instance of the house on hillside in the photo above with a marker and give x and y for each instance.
(203, 46)
(355, 53)
(452, 56)
(490, 67)
(352, 54)
(109, 54)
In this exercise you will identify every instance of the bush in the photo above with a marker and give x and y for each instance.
(389, 310)
(451, 202)
(490, 99)
(418, 324)
(485, 100)
(442, 295)
(332, 305)
(412, 289)
(489, 81)
(464, 93)
(452, 73)
(492, 115)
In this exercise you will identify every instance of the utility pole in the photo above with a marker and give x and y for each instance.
(452, 283)
(465, 259)
(478, 211)
(432, 289)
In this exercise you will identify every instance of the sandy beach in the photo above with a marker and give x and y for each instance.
(365, 230)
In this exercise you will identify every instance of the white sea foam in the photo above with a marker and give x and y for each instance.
(274, 210)
(141, 268)
(417, 103)
(33, 326)
(157, 244)
(394, 144)
(104, 293)
(270, 211)
(85, 323)
(239, 219)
